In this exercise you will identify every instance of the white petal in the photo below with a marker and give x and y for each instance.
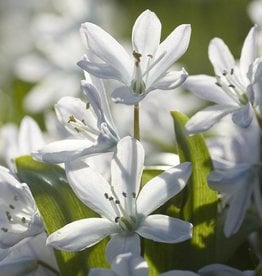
(30, 136)
(107, 49)
(249, 52)
(243, 117)
(18, 266)
(165, 229)
(206, 118)
(230, 180)
(101, 70)
(163, 187)
(220, 56)
(179, 273)
(205, 87)
(172, 48)
(126, 168)
(120, 244)
(101, 272)
(170, 80)
(90, 187)
(220, 269)
(71, 106)
(124, 95)
(80, 234)
(129, 264)
(238, 205)
(65, 150)
(146, 35)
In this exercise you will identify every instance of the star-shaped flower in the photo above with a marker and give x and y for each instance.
(146, 69)
(123, 208)
(89, 124)
(233, 89)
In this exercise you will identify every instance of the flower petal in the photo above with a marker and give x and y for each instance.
(170, 80)
(126, 169)
(101, 70)
(146, 35)
(70, 106)
(162, 228)
(206, 118)
(161, 188)
(243, 117)
(101, 272)
(238, 205)
(205, 87)
(65, 150)
(179, 273)
(171, 49)
(220, 56)
(80, 234)
(90, 187)
(120, 244)
(124, 95)
(30, 136)
(221, 269)
(129, 264)
(248, 53)
(107, 49)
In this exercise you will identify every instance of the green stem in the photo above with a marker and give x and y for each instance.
(48, 267)
(136, 122)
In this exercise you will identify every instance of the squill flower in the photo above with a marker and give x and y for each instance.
(233, 88)
(90, 125)
(146, 69)
(19, 217)
(123, 208)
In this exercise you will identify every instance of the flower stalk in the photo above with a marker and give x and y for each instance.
(136, 122)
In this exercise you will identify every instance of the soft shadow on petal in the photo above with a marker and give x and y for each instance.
(220, 56)
(165, 229)
(206, 118)
(120, 244)
(204, 87)
(80, 234)
(243, 117)
(163, 187)
(124, 95)
(90, 187)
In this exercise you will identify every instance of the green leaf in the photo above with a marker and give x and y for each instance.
(59, 206)
(201, 202)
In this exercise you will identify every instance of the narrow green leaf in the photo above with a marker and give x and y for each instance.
(201, 202)
(59, 206)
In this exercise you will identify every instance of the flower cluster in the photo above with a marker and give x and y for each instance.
(92, 188)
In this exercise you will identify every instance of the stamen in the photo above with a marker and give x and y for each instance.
(23, 220)
(71, 119)
(117, 219)
(232, 71)
(4, 229)
(87, 105)
(11, 206)
(218, 84)
(106, 195)
(8, 215)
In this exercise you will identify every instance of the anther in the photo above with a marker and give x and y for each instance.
(87, 105)
(23, 220)
(76, 129)
(106, 195)
(11, 206)
(111, 198)
(232, 71)
(134, 195)
(224, 73)
(137, 56)
(71, 119)
(9, 217)
(15, 197)
(4, 229)
(83, 121)
(117, 219)
(231, 85)
(124, 194)
(117, 201)
(218, 84)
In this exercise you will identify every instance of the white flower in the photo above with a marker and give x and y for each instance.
(19, 217)
(22, 141)
(146, 69)
(236, 176)
(123, 208)
(90, 125)
(123, 264)
(233, 87)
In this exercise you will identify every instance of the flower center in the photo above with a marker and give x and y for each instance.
(15, 215)
(231, 84)
(81, 127)
(125, 210)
